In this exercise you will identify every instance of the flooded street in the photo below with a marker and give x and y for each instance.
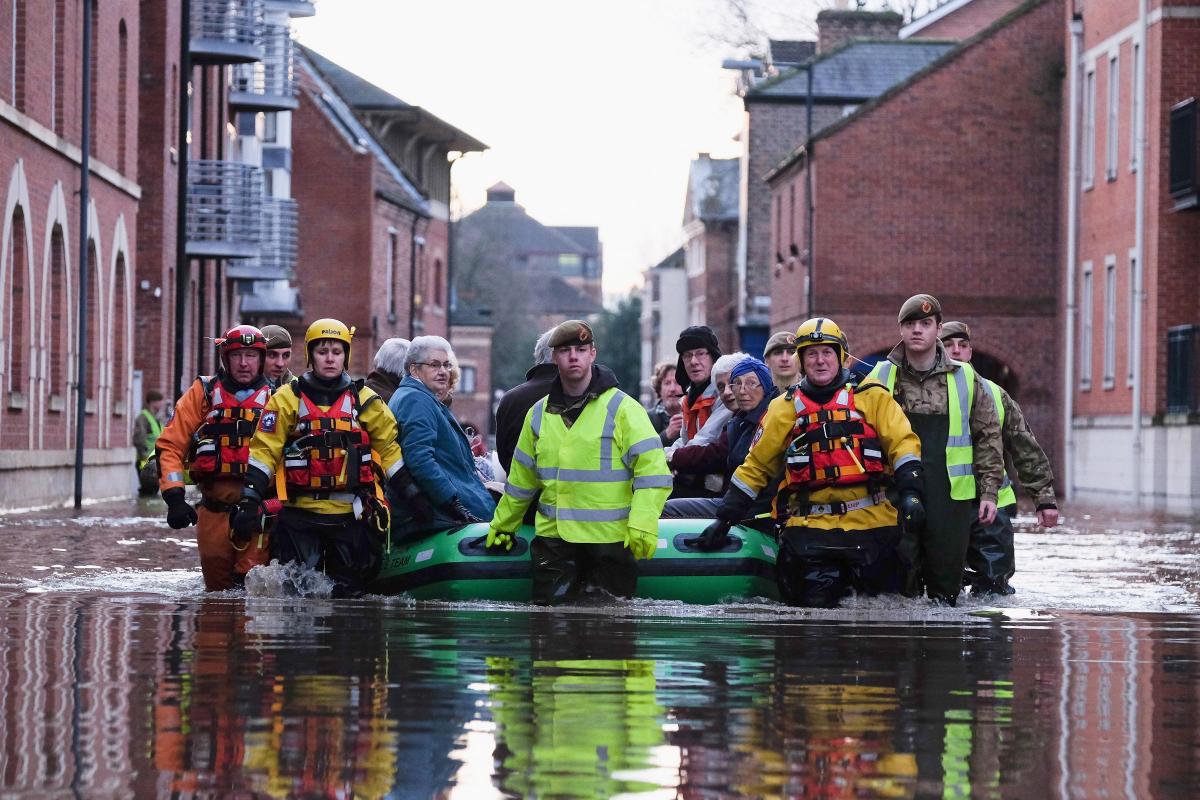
(119, 677)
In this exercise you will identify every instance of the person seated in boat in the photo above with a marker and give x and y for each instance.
(750, 384)
(704, 415)
(591, 452)
(667, 413)
(387, 368)
(690, 480)
(436, 449)
(840, 445)
(317, 442)
(511, 411)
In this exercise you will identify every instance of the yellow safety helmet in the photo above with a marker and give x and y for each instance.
(328, 328)
(822, 330)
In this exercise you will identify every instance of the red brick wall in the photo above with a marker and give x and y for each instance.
(968, 20)
(472, 347)
(939, 191)
(720, 282)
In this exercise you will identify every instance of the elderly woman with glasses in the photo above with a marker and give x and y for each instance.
(436, 449)
(748, 389)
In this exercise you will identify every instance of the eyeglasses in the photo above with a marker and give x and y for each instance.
(446, 365)
(740, 385)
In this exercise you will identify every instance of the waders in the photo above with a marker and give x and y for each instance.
(938, 551)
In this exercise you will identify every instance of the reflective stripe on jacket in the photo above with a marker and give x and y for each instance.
(598, 478)
(960, 451)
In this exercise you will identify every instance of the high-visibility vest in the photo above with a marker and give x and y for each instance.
(586, 480)
(960, 451)
(155, 432)
(1007, 496)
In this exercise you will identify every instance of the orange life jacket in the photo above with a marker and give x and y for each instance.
(694, 416)
(832, 444)
(328, 451)
(221, 445)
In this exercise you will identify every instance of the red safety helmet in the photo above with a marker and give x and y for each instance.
(242, 337)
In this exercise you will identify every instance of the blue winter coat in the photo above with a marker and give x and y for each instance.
(438, 454)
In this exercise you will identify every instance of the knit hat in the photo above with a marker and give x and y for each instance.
(692, 338)
(752, 364)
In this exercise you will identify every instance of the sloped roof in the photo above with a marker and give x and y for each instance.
(357, 92)
(587, 237)
(556, 295)
(860, 70)
(395, 184)
(713, 189)
(676, 260)
(508, 222)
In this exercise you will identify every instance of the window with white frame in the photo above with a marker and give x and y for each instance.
(1088, 155)
(1111, 133)
(466, 380)
(1085, 328)
(390, 271)
(1132, 320)
(1135, 104)
(1110, 321)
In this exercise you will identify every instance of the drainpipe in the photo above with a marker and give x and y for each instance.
(1139, 268)
(808, 170)
(1068, 484)
(181, 146)
(85, 149)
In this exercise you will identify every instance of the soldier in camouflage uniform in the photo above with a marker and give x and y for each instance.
(950, 409)
(991, 561)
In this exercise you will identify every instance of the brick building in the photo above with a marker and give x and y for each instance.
(1131, 232)
(710, 230)
(858, 56)
(930, 188)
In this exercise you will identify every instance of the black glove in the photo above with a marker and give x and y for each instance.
(180, 513)
(405, 489)
(910, 482)
(714, 537)
(245, 519)
(458, 512)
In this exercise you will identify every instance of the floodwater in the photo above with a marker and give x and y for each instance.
(120, 678)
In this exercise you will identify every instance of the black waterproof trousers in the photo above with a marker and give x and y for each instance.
(345, 548)
(817, 568)
(938, 552)
(991, 558)
(566, 571)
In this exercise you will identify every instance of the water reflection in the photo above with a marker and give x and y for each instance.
(111, 696)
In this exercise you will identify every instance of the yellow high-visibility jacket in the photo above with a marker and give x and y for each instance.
(599, 478)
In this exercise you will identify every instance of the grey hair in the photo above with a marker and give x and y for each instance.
(420, 347)
(725, 364)
(542, 351)
(390, 355)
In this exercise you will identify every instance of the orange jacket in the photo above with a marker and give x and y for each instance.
(694, 416)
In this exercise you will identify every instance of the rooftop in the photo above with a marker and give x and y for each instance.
(858, 71)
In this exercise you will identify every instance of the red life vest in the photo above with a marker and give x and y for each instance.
(328, 451)
(832, 444)
(221, 445)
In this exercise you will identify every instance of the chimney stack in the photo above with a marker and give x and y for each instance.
(836, 27)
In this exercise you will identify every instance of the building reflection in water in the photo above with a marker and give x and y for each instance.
(104, 696)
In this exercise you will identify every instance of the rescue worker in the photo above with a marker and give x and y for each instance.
(210, 437)
(951, 410)
(279, 356)
(838, 446)
(991, 560)
(780, 357)
(316, 443)
(591, 451)
(146, 429)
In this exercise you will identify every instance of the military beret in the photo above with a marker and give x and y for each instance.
(784, 340)
(955, 330)
(920, 306)
(571, 332)
(277, 337)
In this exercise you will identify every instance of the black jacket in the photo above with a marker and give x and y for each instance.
(510, 413)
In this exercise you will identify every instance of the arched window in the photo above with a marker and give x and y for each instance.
(92, 386)
(437, 282)
(17, 338)
(57, 311)
(122, 93)
(119, 337)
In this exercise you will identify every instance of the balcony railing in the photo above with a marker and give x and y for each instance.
(294, 8)
(277, 253)
(269, 84)
(225, 209)
(226, 31)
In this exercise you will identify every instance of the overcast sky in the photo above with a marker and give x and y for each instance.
(592, 110)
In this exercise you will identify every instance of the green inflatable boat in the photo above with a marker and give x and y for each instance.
(455, 565)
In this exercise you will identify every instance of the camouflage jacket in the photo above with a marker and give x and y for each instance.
(1028, 458)
(926, 394)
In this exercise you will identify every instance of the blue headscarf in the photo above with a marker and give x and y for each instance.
(752, 364)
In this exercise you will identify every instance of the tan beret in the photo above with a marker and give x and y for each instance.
(783, 340)
(571, 332)
(920, 306)
(955, 330)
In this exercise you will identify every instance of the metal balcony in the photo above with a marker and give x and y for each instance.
(224, 209)
(277, 252)
(226, 31)
(294, 8)
(269, 84)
